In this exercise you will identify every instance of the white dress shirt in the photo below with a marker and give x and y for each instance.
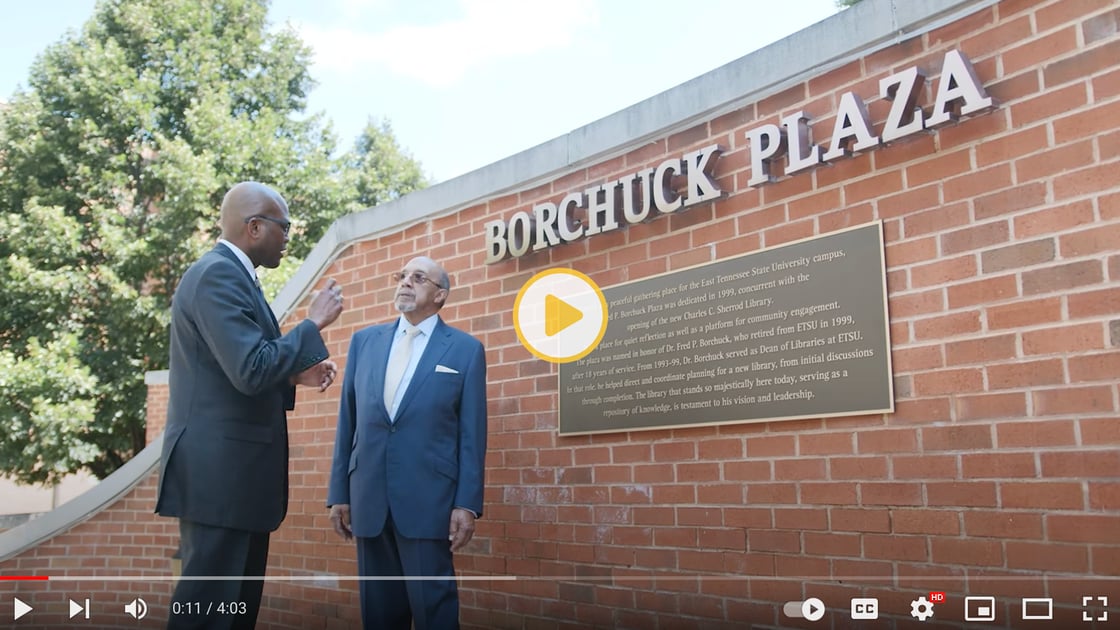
(418, 344)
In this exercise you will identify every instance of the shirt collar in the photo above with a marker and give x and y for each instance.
(243, 258)
(426, 326)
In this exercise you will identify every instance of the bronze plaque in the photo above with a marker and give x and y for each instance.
(796, 331)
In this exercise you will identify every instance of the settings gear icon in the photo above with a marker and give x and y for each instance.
(921, 608)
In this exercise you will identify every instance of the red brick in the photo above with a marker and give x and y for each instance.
(1090, 241)
(925, 521)
(1054, 219)
(937, 219)
(887, 441)
(893, 547)
(1078, 337)
(825, 444)
(1042, 495)
(1017, 256)
(853, 520)
(957, 437)
(772, 446)
(1085, 464)
(911, 304)
(1049, 104)
(1105, 560)
(774, 540)
(961, 494)
(974, 237)
(1047, 557)
(1099, 431)
(981, 350)
(924, 466)
(1073, 400)
(937, 169)
(1034, 434)
(1094, 367)
(1094, 303)
(1104, 496)
(966, 551)
(984, 291)
(998, 465)
(1025, 374)
(791, 469)
(1024, 313)
(943, 271)
(984, 406)
(801, 518)
(1003, 524)
(858, 467)
(766, 493)
(910, 252)
(748, 470)
(891, 494)
(1057, 160)
(1084, 528)
(828, 544)
(1023, 141)
(944, 326)
(829, 493)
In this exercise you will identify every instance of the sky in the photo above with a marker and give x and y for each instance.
(465, 83)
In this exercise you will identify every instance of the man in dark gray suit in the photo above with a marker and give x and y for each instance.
(410, 453)
(224, 471)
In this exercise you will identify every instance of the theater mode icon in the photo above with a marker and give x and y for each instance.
(560, 315)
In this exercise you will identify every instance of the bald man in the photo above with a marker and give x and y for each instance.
(224, 471)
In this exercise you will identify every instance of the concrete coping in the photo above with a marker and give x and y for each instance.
(84, 506)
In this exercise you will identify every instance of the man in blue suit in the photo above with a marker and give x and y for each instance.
(224, 470)
(409, 456)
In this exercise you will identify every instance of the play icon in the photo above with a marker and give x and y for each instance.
(560, 315)
(20, 608)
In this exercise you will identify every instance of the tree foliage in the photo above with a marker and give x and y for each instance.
(113, 163)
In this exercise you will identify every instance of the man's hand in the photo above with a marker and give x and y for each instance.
(461, 528)
(326, 305)
(320, 375)
(340, 518)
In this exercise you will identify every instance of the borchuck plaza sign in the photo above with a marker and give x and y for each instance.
(637, 195)
(642, 195)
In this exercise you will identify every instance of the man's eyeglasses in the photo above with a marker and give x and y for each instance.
(415, 278)
(284, 225)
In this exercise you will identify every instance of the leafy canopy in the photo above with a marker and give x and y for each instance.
(113, 163)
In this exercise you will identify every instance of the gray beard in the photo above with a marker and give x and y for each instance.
(405, 308)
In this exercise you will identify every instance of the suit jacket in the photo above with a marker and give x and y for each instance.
(432, 459)
(225, 451)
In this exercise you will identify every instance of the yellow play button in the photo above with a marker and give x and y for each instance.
(560, 315)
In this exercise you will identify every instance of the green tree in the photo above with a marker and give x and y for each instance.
(112, 167)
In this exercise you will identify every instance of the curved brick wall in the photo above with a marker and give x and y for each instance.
(998, 474)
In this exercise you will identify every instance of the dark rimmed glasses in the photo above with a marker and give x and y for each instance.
(284, 225)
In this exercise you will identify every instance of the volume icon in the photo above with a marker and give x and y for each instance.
(137, 608)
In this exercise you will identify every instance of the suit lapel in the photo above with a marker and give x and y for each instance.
(437, 347)
(379, 348)
(264, 311)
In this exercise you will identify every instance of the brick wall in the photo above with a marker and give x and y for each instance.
(998, 473)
